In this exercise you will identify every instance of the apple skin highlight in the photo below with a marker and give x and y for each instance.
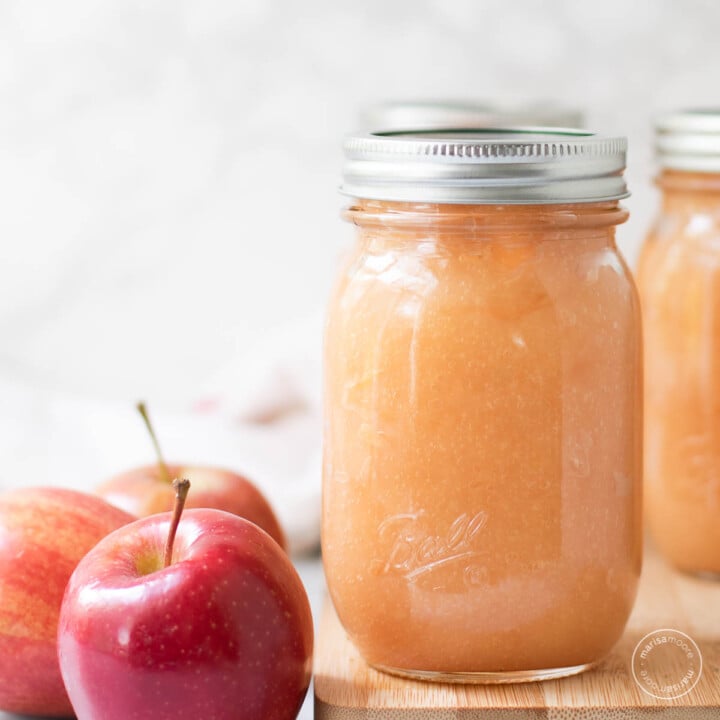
(44, 533)
(225, 631)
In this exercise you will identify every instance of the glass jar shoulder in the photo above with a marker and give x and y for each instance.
(684, 233)
(505, 277)
(680, 260)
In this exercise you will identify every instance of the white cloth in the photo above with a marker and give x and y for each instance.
(260, 416)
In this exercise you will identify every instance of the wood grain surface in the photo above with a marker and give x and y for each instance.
(347, 689)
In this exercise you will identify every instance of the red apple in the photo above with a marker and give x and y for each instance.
(44, 532)
(223, 631)
(148, 490)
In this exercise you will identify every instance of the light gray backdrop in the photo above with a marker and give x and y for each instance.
(168, 170)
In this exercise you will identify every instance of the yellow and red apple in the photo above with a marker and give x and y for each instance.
(148, 490)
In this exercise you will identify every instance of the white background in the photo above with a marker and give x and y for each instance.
(168, 170)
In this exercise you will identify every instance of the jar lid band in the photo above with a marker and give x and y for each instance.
(522, 166)
(689, 140)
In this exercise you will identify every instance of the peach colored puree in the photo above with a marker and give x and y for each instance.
(482, 450)
(679, 280)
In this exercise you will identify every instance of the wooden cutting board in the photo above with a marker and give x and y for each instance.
(347, 689)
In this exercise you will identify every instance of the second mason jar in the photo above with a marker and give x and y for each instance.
(679, 280)
(482, 450)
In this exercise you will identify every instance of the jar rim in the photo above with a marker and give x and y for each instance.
(512, 165)
(688, 181)
(484, 217)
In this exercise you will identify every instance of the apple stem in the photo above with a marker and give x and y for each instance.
(181, 492)
(164, 472)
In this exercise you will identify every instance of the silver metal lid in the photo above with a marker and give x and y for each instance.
(525, 166)
(689, 140)
(447, 114)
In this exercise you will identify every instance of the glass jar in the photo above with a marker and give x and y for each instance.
(679, 282)
(482, 439)
(401, 116)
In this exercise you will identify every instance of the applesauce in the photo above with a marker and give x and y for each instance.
(679, 282)
(482, 440)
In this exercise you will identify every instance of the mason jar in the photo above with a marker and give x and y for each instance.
(439, 114)
(679, 282)
(482, 433)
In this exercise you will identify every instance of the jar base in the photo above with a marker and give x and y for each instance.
(485, 678)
